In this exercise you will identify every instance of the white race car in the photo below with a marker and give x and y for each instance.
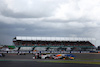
(43, 56)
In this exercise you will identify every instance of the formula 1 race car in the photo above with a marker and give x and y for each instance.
(64, 56)
(2, 55)
(21, 54)
(54, 56)
(41, 56)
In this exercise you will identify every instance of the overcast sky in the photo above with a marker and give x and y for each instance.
(49, 18)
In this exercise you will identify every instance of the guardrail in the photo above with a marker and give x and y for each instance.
(47, 52)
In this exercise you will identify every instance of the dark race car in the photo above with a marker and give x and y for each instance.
(21, 54)
(2, 55)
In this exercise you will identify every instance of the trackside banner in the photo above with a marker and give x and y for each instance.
(45, 52)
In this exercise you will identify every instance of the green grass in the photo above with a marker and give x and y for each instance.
(88, 59)
(82, 62)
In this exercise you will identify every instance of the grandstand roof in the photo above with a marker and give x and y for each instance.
(29, 38)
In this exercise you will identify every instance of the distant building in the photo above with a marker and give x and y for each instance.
(62, 43)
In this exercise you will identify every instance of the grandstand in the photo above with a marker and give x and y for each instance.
(53, 43)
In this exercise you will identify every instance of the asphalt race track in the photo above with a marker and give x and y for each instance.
(13, 60)
(29, 56)
(41, 64)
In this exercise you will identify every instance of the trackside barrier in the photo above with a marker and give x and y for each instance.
(65, 51)
(12, 52)
(46, 52)
(85, 51)
(3, 52)
(23, 51)
(55, 52)
(75, 51)
(36, 52)
(31, 52)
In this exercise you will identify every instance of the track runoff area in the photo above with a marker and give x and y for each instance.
(80, 58)
(13, 60)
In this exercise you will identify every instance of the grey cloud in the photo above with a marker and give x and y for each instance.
(10, 31)
(41, 22)
(37, 11)
(83, 19)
